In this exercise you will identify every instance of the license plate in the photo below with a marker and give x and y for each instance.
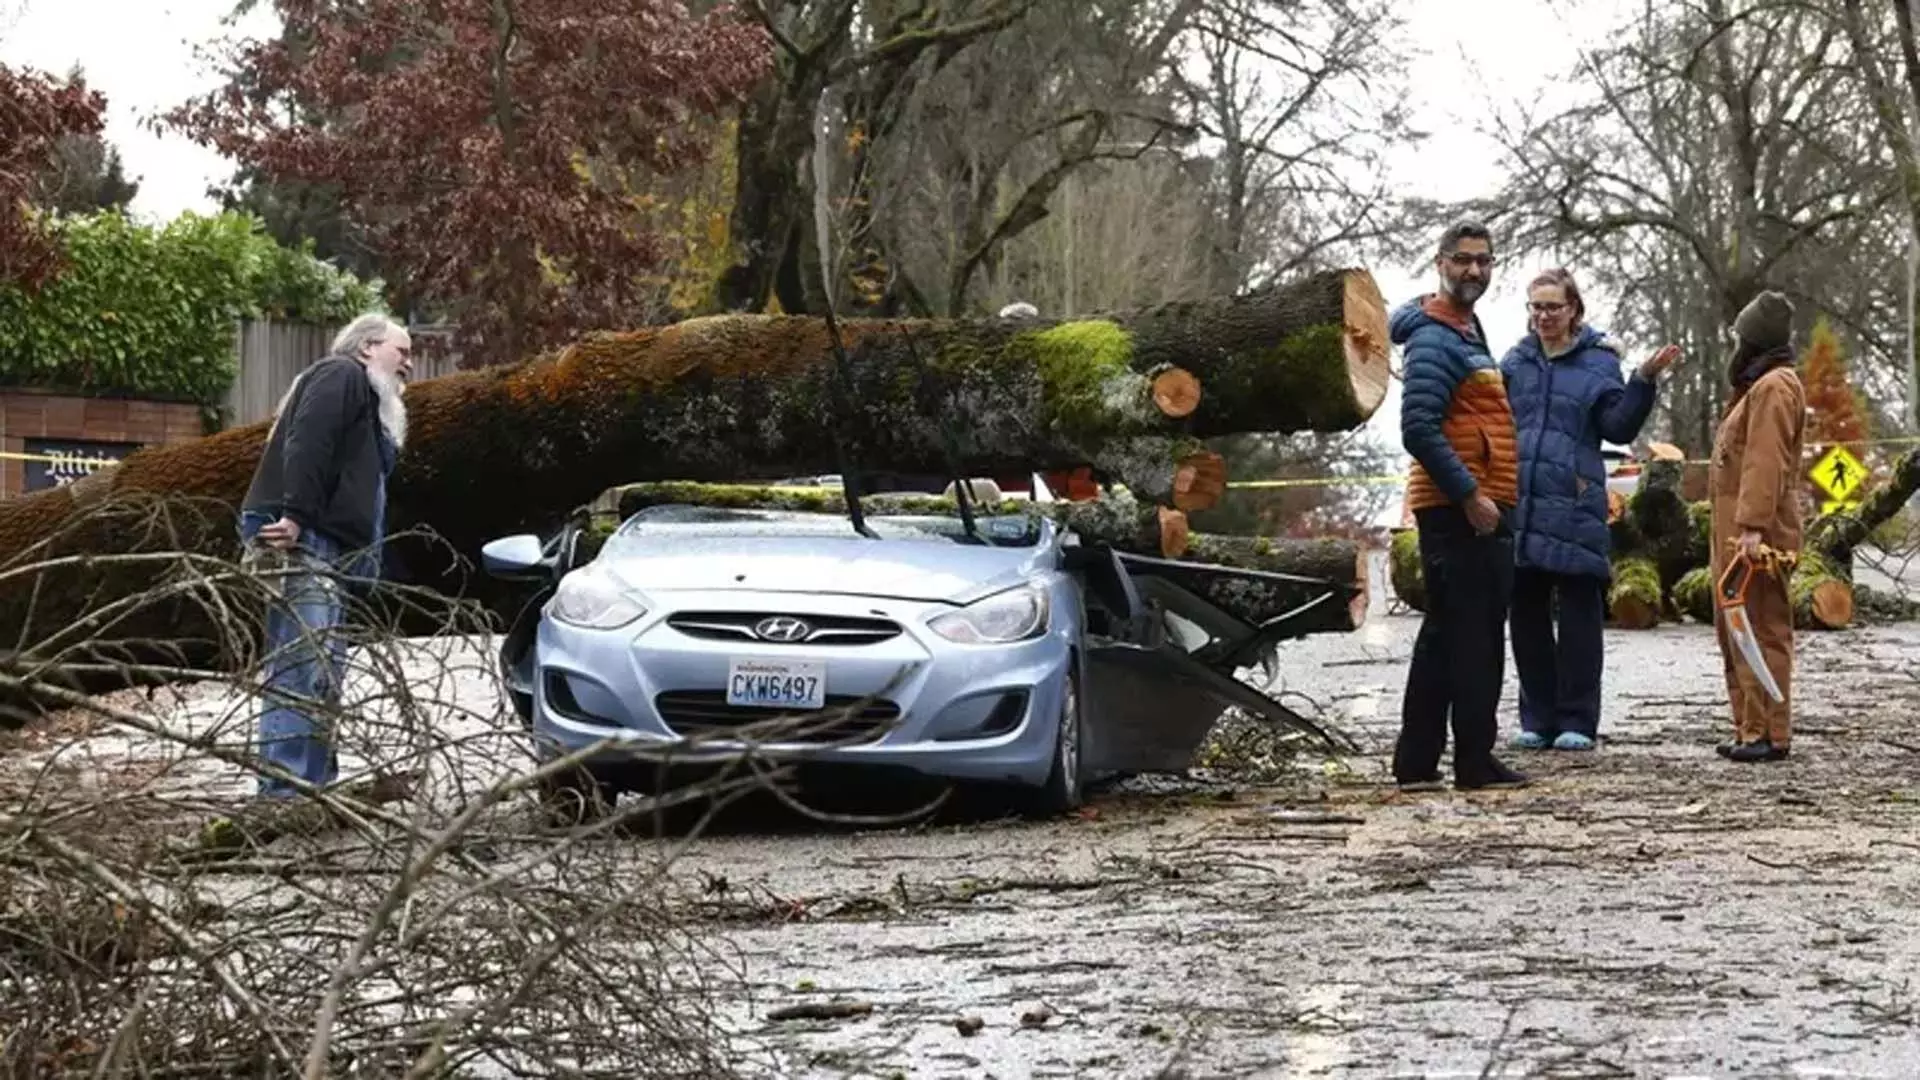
(777, 684)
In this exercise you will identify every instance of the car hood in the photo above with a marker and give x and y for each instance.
(893, 569)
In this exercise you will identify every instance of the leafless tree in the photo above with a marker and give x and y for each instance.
(1722, 148)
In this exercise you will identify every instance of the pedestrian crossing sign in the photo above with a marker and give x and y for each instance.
(1839, 474)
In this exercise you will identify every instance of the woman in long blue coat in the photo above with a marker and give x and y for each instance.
(1565, 385)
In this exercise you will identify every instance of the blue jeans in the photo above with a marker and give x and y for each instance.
(306, 656)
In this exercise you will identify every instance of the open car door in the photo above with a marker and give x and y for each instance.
(1162, 658)
(564, 552)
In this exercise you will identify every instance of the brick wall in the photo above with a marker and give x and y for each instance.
(28, 415)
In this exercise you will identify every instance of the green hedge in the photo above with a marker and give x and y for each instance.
(150, 310)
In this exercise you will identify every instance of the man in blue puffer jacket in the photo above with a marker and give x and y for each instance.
(1563, 381)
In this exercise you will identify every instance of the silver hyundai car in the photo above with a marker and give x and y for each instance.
(996, 651)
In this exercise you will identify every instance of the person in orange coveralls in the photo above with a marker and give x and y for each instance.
(1752, 480)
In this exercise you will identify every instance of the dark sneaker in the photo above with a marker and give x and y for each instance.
(1422, 783)
(1490, 777)
(1756, 751)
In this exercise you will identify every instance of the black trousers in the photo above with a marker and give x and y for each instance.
(1559, 674)
(1459, 659)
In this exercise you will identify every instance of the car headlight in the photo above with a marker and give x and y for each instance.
(593, 599)
(1014, 615)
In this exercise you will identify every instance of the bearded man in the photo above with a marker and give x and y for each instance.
(1457, 424)
(314, 518)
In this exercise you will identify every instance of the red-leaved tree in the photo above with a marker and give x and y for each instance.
(1836, 414)
(481, 142)
(36, 110)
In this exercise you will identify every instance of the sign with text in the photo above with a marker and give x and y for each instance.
(55, 463)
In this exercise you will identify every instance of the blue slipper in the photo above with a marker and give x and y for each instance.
(1529, 740)
(1573, 740)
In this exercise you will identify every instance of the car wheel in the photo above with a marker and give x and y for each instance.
(1065, 788)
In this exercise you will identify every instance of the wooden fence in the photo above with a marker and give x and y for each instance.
(272, 354)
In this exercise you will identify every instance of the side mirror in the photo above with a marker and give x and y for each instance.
(513, 557)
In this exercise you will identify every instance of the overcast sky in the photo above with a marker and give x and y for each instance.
(144, 56)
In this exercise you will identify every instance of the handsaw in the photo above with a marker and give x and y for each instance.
(1731, 596)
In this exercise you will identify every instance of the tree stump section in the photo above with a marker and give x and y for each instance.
(1822, 595)
(1403, 569)
(1634, 597)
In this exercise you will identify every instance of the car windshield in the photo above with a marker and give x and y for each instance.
(1006, 530)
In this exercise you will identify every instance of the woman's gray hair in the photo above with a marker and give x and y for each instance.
(369, 329)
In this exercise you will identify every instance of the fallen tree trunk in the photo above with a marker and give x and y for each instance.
(1837, 534)
(736, 397)
(1822, 587)
(1340, 562)
(1822, 594)
(1118, 520)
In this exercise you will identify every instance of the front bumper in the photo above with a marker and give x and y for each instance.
(961, 712)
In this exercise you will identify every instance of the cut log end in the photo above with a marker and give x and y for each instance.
(1368, 347)
(1199, 480)
(1174, 533)
(1635, 613)
(1661, 451)
(1821, 594)
(1831, 605)
(1176, 392)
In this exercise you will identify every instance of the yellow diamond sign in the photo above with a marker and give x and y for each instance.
(1839, 474)
(1835, 506)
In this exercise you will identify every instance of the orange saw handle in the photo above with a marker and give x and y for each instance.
(1731, 589)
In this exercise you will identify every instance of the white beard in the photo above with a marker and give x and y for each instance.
(393, 411)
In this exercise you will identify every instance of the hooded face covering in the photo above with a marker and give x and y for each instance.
(1764, 334)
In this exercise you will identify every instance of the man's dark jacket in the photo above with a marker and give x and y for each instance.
(322, 464)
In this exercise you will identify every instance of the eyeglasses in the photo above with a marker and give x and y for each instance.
(1539, 307)
(1464, 259)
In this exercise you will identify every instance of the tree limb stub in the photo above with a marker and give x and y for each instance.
(1199, 480)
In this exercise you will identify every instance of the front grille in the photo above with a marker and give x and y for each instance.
(693, 713)
(822, 629)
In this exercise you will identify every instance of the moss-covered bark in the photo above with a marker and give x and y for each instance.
(1693, 595)
(743, 397)
(1821, 591)
(1634, 598)
(1403, 569)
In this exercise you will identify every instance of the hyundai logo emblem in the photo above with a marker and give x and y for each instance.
(782, 628)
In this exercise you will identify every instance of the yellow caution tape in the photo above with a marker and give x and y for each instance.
(1325, 481)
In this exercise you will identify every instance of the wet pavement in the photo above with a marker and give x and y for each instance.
(1646, 910)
